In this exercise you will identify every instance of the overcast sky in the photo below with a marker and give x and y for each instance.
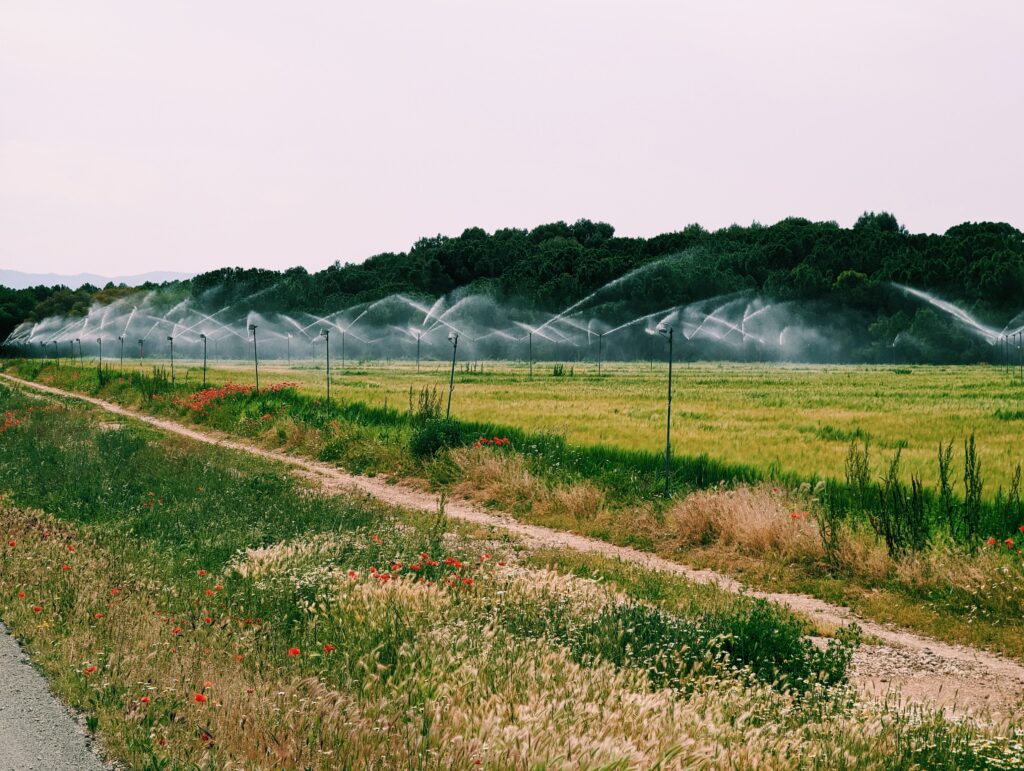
(185, 135)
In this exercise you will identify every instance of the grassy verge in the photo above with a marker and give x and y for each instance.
(762, 533)
(205, 610)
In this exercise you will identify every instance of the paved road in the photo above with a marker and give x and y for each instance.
(36, 731)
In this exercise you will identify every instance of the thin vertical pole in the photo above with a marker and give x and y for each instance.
(668, 416)
(326, 334)
(255, 356)
(171, 341)
(451, 380)
(204, 361)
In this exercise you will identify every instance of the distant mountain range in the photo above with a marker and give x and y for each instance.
(16, 279)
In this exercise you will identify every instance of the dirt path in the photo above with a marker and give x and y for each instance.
(958, 678)
(36, 731)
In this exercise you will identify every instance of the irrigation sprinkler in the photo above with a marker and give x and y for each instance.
(600, 352)
(530, 334)
(170, 340)
(203, 338)
(326, 335)
(99, 342)
(418, 336)
(343, 350)
(120, 339)
(56, 352)
(81, 359)
(666, 332)
(1020, 354)
(142, 342)
(289, 344)
(453, 338)
(43, 346)
(255, 356)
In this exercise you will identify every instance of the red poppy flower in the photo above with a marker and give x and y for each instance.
(37, 609)
(70, 547)
(90, 669)
(12, 543)
(991, 541)
(294, 651)
(209, 592)
(200, 697)
(1009, 542)
(208, 620)
(65, 566)
(115, 591)
(239, 657)
(46, 534)
(98, 616)
(144, 700)
(176, 630)
(21, 595)
(328, 648)
(467, 581)
(201, 572)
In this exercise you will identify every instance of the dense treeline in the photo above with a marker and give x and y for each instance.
(823, 266)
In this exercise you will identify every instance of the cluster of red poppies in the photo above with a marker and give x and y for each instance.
(496, 441)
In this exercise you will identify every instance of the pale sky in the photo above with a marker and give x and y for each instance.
(189, 135)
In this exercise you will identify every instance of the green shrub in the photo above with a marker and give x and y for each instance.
(431, 436)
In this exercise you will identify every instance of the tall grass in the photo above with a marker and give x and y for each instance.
(329, 632)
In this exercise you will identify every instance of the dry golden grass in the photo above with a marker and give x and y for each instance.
(755, 520)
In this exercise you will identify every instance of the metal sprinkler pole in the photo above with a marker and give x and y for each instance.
(80, 357)
(289, 349)
(600, 352)
(255, 356)
(531, 355)
(326, 335)
(418, 351)
(56, 352)
(121, 340)
(99, 342)
(667, 332)
(343, 350)
(171, 341)
(1020, 354)
(454, 339)
(141, 356)
(203, 338)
